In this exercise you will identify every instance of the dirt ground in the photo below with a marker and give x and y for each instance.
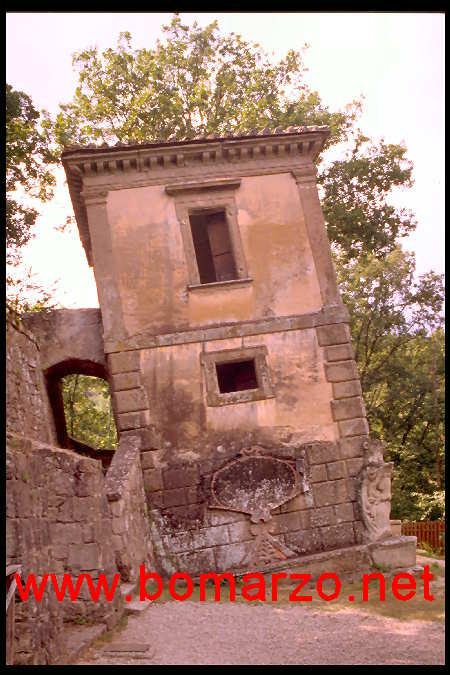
(209, 633)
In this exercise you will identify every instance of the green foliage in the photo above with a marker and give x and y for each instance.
(88, 411)
(28, 155)
(195, 81)
(429, 552)
(360, 220)
(397, 332)
(25, 294)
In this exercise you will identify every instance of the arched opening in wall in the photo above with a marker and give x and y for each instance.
(82, 408)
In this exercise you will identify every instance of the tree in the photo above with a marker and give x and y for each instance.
(24, 293)
(195, 82)
(355, 190)
(88, 411)
(397, 331)
(28, 155)
(198, 82)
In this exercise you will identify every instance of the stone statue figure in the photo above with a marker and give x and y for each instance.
(375, 493)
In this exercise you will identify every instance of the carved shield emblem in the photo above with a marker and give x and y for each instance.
(254, 484)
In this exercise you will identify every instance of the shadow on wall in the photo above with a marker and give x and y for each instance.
(80, 399)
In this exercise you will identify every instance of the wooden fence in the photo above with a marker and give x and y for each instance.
(427, 531)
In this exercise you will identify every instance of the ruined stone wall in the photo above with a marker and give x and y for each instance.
(27, 408)
(57, 521)
(63, 514)
(131, 537)
(58, 515)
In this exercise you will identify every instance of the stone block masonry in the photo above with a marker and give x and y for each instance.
(341, 371)
(26, 402)
(130, 525)
(57, 521)
(63, 515)
(188, 534)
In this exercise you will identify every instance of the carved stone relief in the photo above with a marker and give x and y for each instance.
(255, 484)
(375, 492)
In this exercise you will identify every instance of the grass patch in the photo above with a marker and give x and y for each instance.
(111, 634)
(415, 608)
(429, 553)
(94, 649)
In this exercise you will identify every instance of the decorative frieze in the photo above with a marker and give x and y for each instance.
(90, 161)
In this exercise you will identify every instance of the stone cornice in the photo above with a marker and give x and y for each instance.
(171, 142)
(100, 169)
(146, 340)
(95, 162)
(181, 188)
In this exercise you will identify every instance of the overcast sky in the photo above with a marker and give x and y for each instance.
(395, 60)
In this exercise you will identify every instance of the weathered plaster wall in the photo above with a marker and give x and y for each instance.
(317, 401)
(57, 521)
(175, 383)
(27, 408)
(150, 262)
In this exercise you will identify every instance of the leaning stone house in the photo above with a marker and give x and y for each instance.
(243, 439)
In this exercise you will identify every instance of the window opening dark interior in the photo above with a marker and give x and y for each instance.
(212, 246)
(236, 376)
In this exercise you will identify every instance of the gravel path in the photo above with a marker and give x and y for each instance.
(193, 633)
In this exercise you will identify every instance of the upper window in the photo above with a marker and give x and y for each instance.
(212, 244)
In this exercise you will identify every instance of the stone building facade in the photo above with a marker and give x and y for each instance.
(243, 439)
(228, 348)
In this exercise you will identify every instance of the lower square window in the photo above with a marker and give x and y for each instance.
(237, 376)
